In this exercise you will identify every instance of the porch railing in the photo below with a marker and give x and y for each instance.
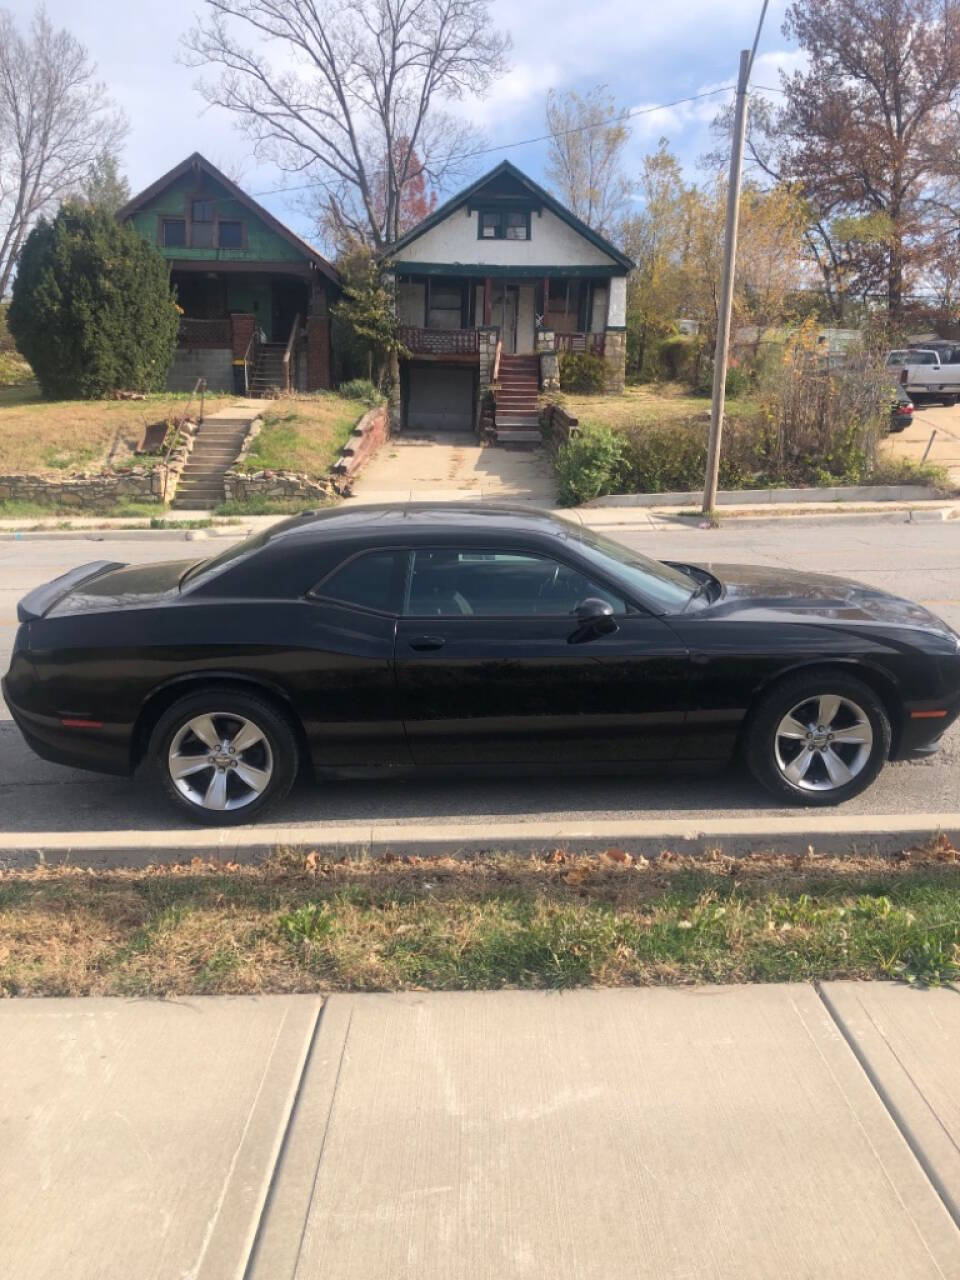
(591, 342)
(204, 333)
(288, 371)
(441, 342)
(251, 358)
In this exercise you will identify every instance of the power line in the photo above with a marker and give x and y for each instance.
(545, 137)
(756, 38)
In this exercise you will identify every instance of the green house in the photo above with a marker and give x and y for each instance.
(255, 298)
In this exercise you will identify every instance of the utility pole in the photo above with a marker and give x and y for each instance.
(726, 291)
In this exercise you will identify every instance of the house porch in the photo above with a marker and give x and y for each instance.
(251, 332)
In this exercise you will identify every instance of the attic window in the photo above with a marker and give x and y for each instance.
(173, 233)
(230, 235)
(504, 224)
(201, 224)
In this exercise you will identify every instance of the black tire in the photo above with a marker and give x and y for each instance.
(767, 752)
(949, 401)
(273, 755)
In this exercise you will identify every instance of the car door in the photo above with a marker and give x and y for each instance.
(494, 666)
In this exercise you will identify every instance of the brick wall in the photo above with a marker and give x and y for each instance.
(241, 328)
(318, 353)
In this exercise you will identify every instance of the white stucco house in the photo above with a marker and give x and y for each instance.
(491, 287)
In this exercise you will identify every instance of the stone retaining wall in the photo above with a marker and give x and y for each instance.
(367, 436)
(93, 489)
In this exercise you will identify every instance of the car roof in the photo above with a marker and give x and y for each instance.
(413, 519)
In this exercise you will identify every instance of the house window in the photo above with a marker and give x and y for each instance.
(446, 305)
(230, 235)
(517, 225)
(490, 228)
(201, 224)
(504, 224)
(173, 233)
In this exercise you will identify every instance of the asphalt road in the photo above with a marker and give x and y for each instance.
(921, 561)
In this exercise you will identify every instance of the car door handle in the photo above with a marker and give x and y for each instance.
(427, 642)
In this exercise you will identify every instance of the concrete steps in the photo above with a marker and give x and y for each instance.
(215, 450)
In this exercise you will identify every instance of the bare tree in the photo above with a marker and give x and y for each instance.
(864, 133)
(353, 96)
(588, 135)
(56, 120)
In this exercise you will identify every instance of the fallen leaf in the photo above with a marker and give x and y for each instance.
(310, 862)
(577, 876)
(557, 856)
(617, 855)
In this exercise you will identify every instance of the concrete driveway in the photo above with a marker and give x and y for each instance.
(945, 450)
(737, 1133)
(445, 465)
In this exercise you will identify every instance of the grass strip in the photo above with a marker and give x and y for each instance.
(307, 924)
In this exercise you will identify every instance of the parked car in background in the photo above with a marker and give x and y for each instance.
(933, 372)
(901, 411)
(479, 636)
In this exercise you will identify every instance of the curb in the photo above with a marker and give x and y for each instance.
(629, 519)
(824, 833)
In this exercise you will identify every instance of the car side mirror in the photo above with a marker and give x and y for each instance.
(592, 608)
(594, 618)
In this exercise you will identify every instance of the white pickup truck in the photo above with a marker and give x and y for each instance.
(932, 371)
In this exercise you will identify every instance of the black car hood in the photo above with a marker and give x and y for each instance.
(123, 587)
(753, 590)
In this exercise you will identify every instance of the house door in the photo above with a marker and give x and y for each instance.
(288, 299)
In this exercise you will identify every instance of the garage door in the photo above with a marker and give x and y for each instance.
(440, 398)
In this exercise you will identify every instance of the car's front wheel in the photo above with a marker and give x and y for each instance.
(222, 757)
(818, 738)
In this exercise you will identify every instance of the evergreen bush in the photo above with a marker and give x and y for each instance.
(92, 309)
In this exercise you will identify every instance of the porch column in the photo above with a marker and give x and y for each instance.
(486, 300)
(241, 331)
(615, 337)
(318, 353)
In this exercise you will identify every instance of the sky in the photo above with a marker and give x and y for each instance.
(646, 52)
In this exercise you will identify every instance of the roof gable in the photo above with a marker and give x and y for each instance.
(197, 165)
(502, 183)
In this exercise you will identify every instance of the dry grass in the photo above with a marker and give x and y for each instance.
(304, 433)
(305, 924)
(653, 404)
(59, 436)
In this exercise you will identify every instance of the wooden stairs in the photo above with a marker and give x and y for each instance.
(268, 375)
(517, 418)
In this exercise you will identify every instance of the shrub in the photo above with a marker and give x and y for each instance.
(588, 466)
(676, 358)
(92, 309)
(582, 371)
(361, 389)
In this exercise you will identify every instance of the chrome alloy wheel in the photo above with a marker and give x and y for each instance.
(220, 761)
(823, 743)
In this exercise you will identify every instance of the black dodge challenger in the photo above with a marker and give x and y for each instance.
(459, 635)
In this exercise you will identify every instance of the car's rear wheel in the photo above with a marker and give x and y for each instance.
(223, 756)
(818, 738)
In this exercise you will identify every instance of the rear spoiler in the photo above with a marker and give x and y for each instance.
(39, 602)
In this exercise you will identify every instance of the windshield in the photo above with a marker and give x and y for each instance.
(666, 590)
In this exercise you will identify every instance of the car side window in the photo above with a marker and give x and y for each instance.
(498, 584)
(368, 581)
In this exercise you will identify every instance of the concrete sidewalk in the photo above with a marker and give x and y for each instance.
(741, 1132)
